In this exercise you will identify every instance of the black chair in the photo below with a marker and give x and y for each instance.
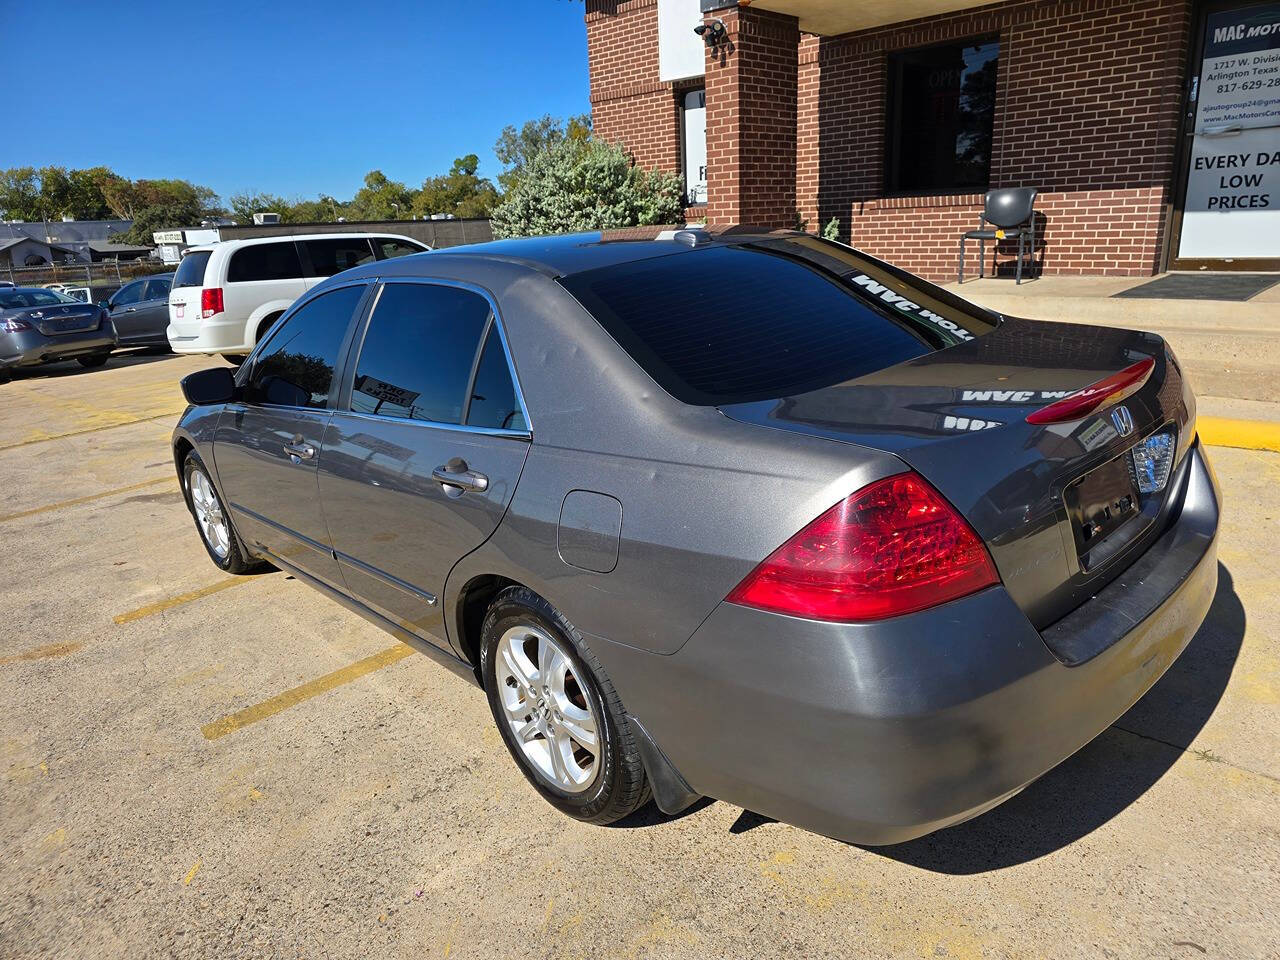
(1010, 213)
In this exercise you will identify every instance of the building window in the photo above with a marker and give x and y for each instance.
(693, 145)
(942, 105)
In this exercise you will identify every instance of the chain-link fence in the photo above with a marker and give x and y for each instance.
(101, 279)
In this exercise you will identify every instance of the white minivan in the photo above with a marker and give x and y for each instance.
(226, 296)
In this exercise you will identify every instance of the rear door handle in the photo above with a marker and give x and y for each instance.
(130, 309)
(300, 451)
(455, 474)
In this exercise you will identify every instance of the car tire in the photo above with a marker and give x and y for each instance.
(235, 359)
(213, 522)
(578, 700)
(95, 360)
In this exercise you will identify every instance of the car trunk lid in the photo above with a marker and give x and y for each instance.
(65, 318)
(1046, 498)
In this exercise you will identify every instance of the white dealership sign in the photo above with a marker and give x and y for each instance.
(1232, 207)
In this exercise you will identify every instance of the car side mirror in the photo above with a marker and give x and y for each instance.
(206, 387)
(106, 305)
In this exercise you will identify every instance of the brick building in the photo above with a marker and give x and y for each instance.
(1151, 128)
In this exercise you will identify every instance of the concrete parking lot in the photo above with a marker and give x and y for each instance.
(202, 766)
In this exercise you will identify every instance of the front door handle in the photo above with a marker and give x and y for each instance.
(455, 474)
(130, 309)
(300, 451)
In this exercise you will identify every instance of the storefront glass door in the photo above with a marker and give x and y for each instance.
(1231, 206)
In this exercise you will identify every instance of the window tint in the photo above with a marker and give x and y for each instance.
(333, 256)
(265, 261)
(389, 248)
(129, 293)
(942, 110)
(735, 324)
(493, 398)
(190, 271)
(156, 288)
(418, 352)
(295, 367)
(17, 299)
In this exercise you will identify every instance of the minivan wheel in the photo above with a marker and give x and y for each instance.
(558, 712)
(211, 518)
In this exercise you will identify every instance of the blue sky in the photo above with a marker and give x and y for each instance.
(292, 98)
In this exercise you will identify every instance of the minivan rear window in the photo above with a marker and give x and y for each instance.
(190, 271)
(735, 324)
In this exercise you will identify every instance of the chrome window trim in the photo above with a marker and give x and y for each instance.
(430, 424)
(357, 347)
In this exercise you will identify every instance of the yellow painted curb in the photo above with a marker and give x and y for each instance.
(1246, 434)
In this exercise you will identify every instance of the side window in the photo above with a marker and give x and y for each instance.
(418, 352)
(265, 261)
(157, 288)
(333, 256)
(389, 248)
(129, 293)
(295, 368)
(493, 398)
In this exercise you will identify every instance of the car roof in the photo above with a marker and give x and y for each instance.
(238, 242)
(567, 254)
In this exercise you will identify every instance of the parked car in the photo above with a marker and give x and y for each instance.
(226, 295)
(140, 311)
(43, 326)
(757, 517)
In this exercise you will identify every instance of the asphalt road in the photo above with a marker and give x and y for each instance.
(201, 766)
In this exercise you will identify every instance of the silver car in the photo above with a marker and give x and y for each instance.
(44, 326)
(750, 516)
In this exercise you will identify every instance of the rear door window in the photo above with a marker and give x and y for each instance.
(265, 261)
(733, 324)
(295, 366)
(419, 351)
(330, 256)
(390, 247)
(129, 293)
(190, 272)
(493, 395)
(157, 288)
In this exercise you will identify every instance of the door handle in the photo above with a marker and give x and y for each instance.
(299, 451)
(130, 309)
(455, 474)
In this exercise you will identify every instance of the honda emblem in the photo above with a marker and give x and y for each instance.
(1123, 420)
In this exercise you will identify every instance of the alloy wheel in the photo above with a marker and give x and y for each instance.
(547, 708)
(209, 516)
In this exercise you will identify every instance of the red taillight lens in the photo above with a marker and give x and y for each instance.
(893, 547)
(1083, 402)
(210, 301)
(14, 326)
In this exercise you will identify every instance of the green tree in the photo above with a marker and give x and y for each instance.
(167, 205)
(459, 192)
(585, 184)
(20, 194)
(245, 205)
(381, 199)
(515, 148)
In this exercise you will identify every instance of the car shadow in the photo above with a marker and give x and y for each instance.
(1105, 777)
(132, 357)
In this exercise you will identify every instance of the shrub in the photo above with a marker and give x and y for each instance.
(586, 184)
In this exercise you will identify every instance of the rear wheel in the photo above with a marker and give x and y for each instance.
(96, 360)
(558, 712)
(225, 548)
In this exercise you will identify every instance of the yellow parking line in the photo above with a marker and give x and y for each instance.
(77, 433)
(79, 500)
(179, 600)
(312, 688)
(1249, 434)
(191, 874)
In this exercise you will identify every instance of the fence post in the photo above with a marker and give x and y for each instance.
(88, 277)
(119, 279)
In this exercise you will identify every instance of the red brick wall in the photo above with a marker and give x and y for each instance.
(751, 120)
(1087, 103)
(629, 104)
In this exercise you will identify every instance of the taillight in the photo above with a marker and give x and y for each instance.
(894, 547)
(14, 326)
(210, 302)
(1083, 402)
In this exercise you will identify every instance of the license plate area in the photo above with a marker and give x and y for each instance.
(1100, 504)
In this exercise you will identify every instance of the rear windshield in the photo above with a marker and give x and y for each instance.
(11, 299)
(772, 318)
(190, 271)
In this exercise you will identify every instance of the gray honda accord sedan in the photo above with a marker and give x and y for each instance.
(753, 516)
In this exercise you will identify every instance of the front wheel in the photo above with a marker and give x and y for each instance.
(558, 712)
(220, 540)
(96, 360)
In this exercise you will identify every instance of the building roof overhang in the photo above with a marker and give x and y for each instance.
(831, 17)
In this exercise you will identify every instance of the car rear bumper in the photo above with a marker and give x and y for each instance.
(879, 733)
(31, 347)
(207, 336)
